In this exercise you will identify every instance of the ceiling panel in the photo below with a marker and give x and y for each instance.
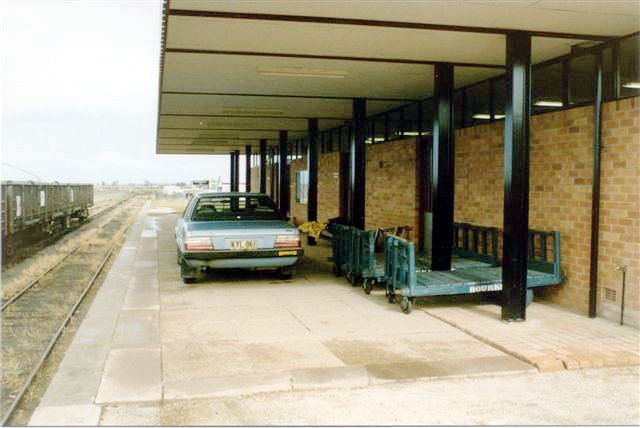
(611, 18)
(241, 123)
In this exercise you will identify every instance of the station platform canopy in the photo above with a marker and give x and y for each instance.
(235, 72)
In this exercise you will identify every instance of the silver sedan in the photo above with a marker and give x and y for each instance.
(235, 230)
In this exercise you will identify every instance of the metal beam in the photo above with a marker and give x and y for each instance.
(283, 184)
(263, 166)
(516, 176)
(377, 23)
(442, 168)
(357, 158)
(330, 57)
(595, 190)
(312, 169)
(252, 116)
(320, 97)
(232, 172)
(247, 172)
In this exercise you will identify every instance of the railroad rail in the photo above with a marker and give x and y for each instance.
(34, 318)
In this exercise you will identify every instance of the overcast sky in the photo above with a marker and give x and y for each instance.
(80, 94)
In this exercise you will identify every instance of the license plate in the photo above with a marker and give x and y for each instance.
(244, 245)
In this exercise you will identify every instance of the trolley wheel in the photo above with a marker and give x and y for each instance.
(367, 285)
(406, 305)
(188, 280)
(354, 280)
(529, 296)
(391, 298)
(335, 270)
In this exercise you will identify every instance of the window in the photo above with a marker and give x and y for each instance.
(412, 120)
(302, 186)
(427, 116)
(395, 124)
(377, 131)
(499, 97)
(212, 208)
(42, 198)
(629, 66)
(547, 87)
(581, 79)
(18, 206)
(476, 109)
(71, 194)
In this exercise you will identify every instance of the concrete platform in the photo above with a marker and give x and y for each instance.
(150, 340)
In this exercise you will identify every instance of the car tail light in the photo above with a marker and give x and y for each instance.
(196, 243)
(287, 241)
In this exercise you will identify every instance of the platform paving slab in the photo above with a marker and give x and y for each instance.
(551, 339)
(249, 333)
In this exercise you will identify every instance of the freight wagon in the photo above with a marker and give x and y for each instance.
(35, 212)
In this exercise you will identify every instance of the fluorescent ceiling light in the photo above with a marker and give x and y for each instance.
(376, 139)
(411, 133)
(632, 85)
(548, 103)
(302, 72)
(252, 111)
(484, 116)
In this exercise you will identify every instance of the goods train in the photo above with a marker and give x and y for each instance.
(33, 213)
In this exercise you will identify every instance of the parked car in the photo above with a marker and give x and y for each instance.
(235, 230)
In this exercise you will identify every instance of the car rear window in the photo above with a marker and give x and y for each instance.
(211, 208)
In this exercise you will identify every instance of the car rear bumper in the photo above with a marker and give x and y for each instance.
(243, 259)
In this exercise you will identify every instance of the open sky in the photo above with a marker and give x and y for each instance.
(80, 94)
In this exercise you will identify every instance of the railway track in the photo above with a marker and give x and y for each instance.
(34, 318)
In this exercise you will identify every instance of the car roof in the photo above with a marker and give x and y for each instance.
(223, 194)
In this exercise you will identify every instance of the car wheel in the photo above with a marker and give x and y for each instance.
(187, 274)
(286, 272)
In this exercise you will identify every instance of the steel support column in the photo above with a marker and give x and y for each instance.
(283, 184)
(595, 191)
(442, 168)
(263, 166)
(247, 172)
(357, 160)
(312, 168)
(232, 171)
(516, 176)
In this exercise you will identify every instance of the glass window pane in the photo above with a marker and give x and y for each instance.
(499, 98)
(581, 82)
(629, 66)
(395, 127)
(547, 87)
(412, 120)
(477, 104)
(377, 133)
(458, 113)
(427, 116)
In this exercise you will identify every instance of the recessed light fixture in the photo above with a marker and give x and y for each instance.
(411, 133)
(375, 140)
(548, 103)
(302, 72)
(632, 85)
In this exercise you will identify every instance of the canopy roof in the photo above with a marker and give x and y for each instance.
(234, 72)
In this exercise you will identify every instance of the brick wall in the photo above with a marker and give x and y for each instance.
(560, 193)
(297, 211)
(391, 185)
(328, 186)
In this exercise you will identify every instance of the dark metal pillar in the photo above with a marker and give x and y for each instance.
(516, 176)
(312, 168)
(595, 192)
(283, 184)
(232, 172)
(247, 172)
(442, 168)
(357, 160)
(263, 166)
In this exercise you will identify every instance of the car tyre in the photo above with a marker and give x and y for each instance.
(286, 272)
(187, 273)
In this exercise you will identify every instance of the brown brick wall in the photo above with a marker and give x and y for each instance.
(560, 192)
(391, 185)
(297, 211)
(328, 186)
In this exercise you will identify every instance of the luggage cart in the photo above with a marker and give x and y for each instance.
(408, 283)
